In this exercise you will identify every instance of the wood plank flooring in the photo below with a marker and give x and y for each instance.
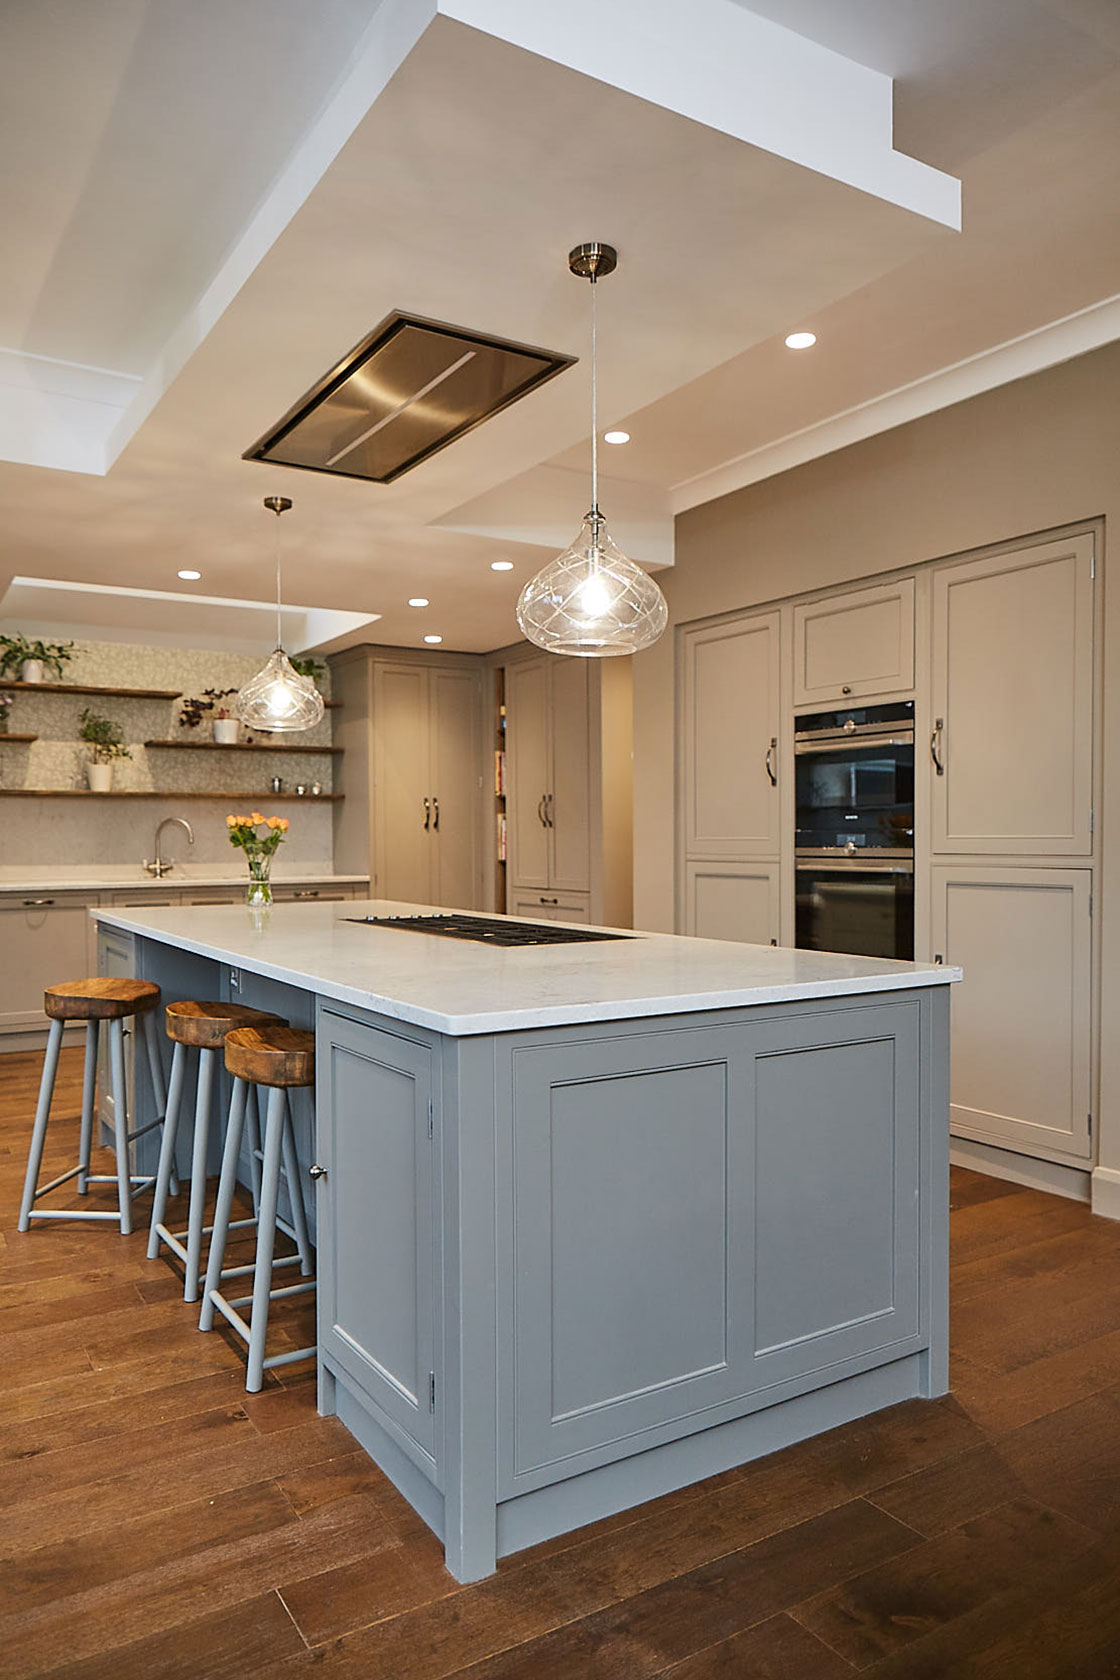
(160, 1524)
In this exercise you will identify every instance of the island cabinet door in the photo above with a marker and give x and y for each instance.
(376, 1253)
(704, 1221)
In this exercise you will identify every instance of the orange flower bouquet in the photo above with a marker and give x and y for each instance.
(259, 850)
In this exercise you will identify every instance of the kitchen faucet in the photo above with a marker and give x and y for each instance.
(158, 867)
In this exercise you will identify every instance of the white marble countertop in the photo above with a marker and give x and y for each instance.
(21, 877)
(460, 987)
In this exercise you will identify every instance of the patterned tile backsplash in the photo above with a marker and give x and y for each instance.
(95, 830)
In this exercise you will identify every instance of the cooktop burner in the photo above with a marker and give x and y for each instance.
(486, 931)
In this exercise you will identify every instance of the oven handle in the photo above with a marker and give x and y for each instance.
(844, 866)
(845, 743)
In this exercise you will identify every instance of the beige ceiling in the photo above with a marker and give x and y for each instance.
(457, 197)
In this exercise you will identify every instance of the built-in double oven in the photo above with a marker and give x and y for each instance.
(855, 830)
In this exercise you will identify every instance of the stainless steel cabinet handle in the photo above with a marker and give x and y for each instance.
(435, 809)
(770, 770)
(427, 813)
(316, 1171)
(541, 818)
(548, 810)
(307, 892)
(548, 901)
(935, 747)
(35, 903)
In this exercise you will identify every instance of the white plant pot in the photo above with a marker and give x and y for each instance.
(31, 671)
(227, 731)
(100, 777)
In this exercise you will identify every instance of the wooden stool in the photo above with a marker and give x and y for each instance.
(94, 1001)
(281, 1059)
(203, 1027)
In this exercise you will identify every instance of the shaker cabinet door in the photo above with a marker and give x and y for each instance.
(1012, 702)
(456, 702)
(1021, 1065)
(730, 733)
(45, 938)
(857, 642)
(402, 793)
(376, 1236)
(569, 807)
(732, 901)
(527, 765)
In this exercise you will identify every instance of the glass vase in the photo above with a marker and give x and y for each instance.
(260, 884)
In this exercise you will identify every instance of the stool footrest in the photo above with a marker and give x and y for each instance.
(275, 1294)
(63, 1178)
(72, 1213)
(246, 1271)
(290, 1358)
(141, 1131)
(174, 1239)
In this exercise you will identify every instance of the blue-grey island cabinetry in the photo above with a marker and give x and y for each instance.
(595, 1220)
(628, 1254)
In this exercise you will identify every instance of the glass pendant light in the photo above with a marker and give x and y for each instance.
(278, 698)
(591, 600)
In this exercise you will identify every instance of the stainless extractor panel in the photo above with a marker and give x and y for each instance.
(408, 390)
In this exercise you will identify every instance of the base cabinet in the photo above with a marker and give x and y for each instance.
(1021, 1018)
(377, 1252)
(45, 938)
(737, 901)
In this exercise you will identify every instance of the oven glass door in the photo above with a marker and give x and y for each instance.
(862, 912)
(856, 795)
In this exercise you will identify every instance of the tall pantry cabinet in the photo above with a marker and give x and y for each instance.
(413, 778)
(569, 788)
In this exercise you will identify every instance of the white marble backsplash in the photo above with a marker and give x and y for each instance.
(110, 831)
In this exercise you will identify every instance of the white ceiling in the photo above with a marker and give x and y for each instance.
(213, 202)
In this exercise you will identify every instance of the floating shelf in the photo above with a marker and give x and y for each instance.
(14, 737)
(81, 688)
(236, 746)
(254, 798)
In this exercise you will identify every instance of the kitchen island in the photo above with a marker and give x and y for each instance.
(595, 1220)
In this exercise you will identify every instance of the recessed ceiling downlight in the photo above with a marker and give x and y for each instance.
(189, 577)
(501, 565)
(433, 639)
(616, 437)
(801, 341)
(418, 600)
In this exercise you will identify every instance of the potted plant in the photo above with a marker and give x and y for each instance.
(226, 724)
(105, 740)
(32, 658)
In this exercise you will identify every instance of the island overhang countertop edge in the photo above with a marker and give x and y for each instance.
(461, 988)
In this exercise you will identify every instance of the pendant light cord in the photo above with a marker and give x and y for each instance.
(594, 404)
(279, 637)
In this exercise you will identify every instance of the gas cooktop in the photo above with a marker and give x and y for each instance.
(487, 931)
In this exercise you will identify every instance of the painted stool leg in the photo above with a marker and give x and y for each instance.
(167, 1146)
(266, 1236)
(226, 1186)
(89, 1105)
(197, 1211)
(254, 1118)
(120, 1126)
(159, 1085)
(39, 1130)
(295, 1196)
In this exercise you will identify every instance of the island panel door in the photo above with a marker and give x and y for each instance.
(376, 1253)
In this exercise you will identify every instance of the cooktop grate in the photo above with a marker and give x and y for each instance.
(487, 931)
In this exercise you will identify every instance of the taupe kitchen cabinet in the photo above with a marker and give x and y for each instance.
(732, 901)
(852, 643)
(729, 675)
(1011, 747)
(45, 937)
(413, 774)
(568, 788)
(376, 1196)
(1021, 1073)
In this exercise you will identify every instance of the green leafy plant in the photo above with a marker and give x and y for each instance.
(15, 650)
(192, 711)
(104, 738)
(307, 668)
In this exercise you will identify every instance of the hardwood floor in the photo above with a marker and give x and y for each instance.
(159, 1522)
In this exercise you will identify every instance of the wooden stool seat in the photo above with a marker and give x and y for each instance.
(204, 1026)
(99, 999)
(280, 1057)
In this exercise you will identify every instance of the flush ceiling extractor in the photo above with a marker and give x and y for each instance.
(408, 390)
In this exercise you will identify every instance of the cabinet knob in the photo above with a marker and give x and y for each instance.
(316, 1171)
(846, 689)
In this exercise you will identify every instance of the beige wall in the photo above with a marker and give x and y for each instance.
(1041, 453)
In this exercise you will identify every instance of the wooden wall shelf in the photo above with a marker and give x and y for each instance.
(242, 799)
(237, 746)
(82, 688)
(12, 736)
